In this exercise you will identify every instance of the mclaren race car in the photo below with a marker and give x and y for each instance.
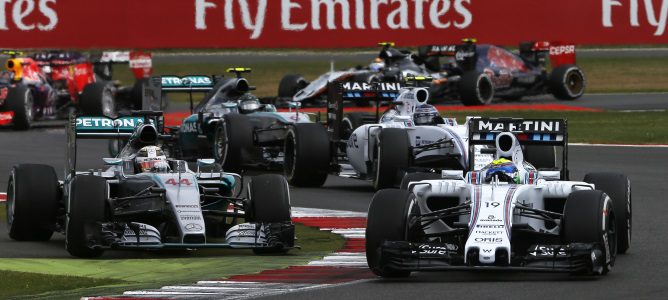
(507, 216)
(144, 200)
(229, 123)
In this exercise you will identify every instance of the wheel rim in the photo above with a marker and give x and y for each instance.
(220, 145)
(574, 82)
(485, 90)
(28, 106)
(108, 105)
(10, 204)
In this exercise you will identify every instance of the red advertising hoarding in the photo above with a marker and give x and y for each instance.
(154, 24)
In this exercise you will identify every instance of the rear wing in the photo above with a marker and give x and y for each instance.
(141, 63)
(465, 54)
(559, 53)
(157, 86)
(545, 132)
(105, 128)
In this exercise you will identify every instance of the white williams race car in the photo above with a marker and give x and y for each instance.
(506, 216)
(145, 200)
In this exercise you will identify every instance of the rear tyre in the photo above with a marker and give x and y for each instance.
(307, 154)
(567, 82)
(291, 84)
(20, 101)
(412, 177)
(97, 99)
(541, 157)
(476, 88)
(232, 136)
(32, 202)
(87, 207)
(589, 217)
(387, 221)
(618, 187)
(269, 203)
(392, 158)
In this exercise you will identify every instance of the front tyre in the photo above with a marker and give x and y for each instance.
(392, 158)
(386, 221)
(589, 217)
(32, 202)
(269, 203)
(618, 187)
(87, 208)
(233, 135)
(307, 155)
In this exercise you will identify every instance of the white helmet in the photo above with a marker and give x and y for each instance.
(151, 159)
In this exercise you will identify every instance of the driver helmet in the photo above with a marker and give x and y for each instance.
(377, 65)
(248, 104)
(151, 159)
(425, 114)
(503, 169)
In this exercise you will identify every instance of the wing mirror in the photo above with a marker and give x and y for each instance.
(113, 161)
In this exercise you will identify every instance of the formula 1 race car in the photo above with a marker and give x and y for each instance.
(480, 73)
(229, 123)
(144, 200)
(50, 85)
(391, 65)
(506, 216)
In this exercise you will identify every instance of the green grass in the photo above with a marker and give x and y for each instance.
(71, 278)
(597, 127)
(604, 75)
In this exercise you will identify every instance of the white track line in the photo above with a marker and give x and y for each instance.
(617, 145)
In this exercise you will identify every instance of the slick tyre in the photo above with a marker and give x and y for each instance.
(307, 155)
(589, 217)
(618, 187)
(20, 101)
(541, 157)
(291, 84)
(387, 221)
(392, 158)
(413, 177)
(567, 82)
(269, 203)
(97, 99)
(87, 208)
(476, 88)
(33, 194)
(232, 137)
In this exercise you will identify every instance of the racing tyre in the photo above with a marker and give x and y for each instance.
(387, 221)
(567, 82)
(20, 101)
(412, 177)
(307, 154)
(541, 157)
(589, 217)
(86, 208)
(291, 84)
(476, 88)
(269, 203)
(32, 202)
(232, 136)
(104, 71)
(618, 187)
(351, 122)
(392, 158)
(97, 99)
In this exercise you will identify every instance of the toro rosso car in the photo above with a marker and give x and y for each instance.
(50, 85)
(480, 73)
(144, 200)
(506, 216)
(229, 123)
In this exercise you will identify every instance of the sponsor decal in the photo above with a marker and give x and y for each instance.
(491, 226)
(184, 181)
(488, 240)
(435, 249)
(520, 126)
(489, 232)
(29, 15)
(193, 227)
(491, 218)
(187, 81)
(103, 123)
(190, 127)
(190, 218)
(187, 206)
(548, 251)
(655, 15)
(364, 86)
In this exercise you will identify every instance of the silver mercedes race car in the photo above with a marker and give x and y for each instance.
(144, 200)
(506, 216)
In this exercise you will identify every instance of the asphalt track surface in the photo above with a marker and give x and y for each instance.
(640, 274)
